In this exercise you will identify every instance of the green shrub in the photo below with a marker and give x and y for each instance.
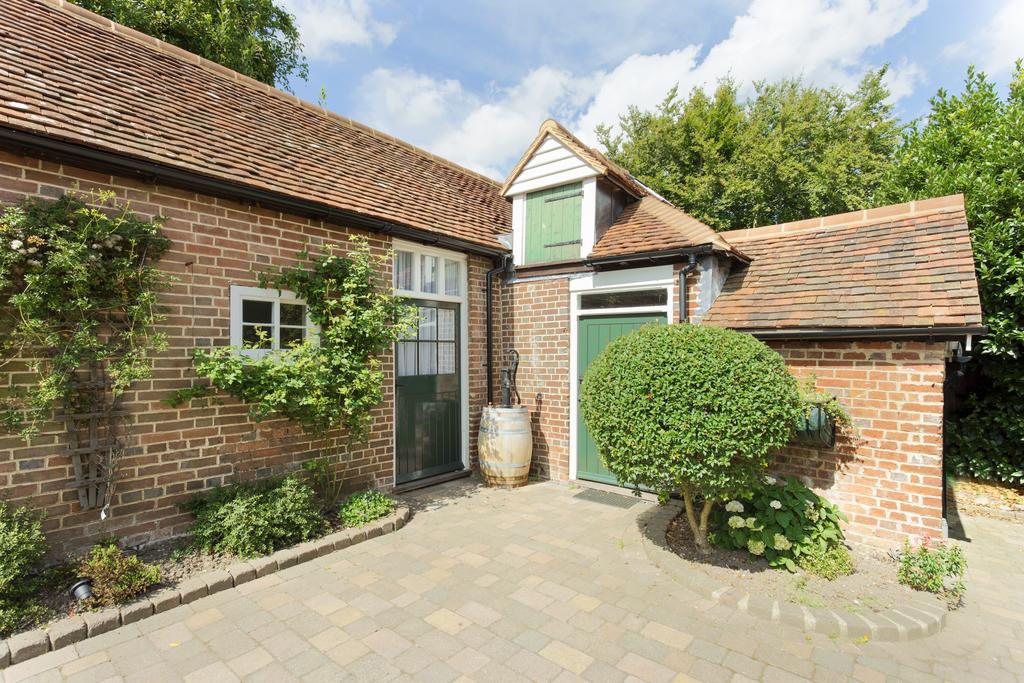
(780, 521)
(937, 568)
(22, 545)
(690, 409)
(827, 561)
(364, 507)
(324, 480)
(252, 520)
(117, 577)
(988, 442)
(16, 615)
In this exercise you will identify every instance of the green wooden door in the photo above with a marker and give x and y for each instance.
(553, 222)
(595, 334)
(428, 437)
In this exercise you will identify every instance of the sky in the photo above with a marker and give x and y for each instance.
(472, 80)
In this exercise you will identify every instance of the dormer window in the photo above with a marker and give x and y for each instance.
(553, 224)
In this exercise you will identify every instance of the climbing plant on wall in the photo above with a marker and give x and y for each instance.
(78, 288)
(335, 379)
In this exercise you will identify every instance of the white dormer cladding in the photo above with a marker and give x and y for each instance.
(553, 165)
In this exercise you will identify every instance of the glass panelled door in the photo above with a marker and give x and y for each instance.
(428, 440)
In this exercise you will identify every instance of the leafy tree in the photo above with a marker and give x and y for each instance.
(254, 37)
(974, 143)
(791, 152)
(691, 409)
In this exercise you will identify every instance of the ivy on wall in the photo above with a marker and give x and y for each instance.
(78, 288)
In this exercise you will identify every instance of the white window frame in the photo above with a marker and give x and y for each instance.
(275, 296)
(627, 280)
(463, 300)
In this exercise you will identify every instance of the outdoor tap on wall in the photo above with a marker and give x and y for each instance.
(508, 381)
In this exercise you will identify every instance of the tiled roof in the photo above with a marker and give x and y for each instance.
(907, 265)
(599, 162)
(71, 75)
(653, 224)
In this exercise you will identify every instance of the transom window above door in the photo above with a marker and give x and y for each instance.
(424, 272)
(266, 320)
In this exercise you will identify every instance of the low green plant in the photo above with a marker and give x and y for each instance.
(934, 567)
(325, 480)
(364, 507)
(17, 615)
(811, 396)
(251, 520)
(22, 545)
(117, 576)
(827, 561)
(780, 521)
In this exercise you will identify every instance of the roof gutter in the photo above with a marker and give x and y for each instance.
(860, 333)
(648, 256)
(119, 164)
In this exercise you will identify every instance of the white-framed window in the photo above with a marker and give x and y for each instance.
(429, 273)
(267, 320)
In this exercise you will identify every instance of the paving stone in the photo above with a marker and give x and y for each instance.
(241, 572)
(67, 631)
(165, 600)
(5, 654)
(288, 557)
(193, 589)
(264, 565)
(24, 646)
(136, 611)
(101, 622)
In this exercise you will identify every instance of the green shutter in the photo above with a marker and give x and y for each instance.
(553, 220)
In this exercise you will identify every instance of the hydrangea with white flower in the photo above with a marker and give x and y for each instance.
(775, 505)
(770, 480)
(755, 547)
(16, 244)
(782, 543)
(736, 522)
(734, 506)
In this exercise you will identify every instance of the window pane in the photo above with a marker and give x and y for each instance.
(290, 336)
(406, 358)
(403, 270)
(428, 323)
(446, 358)
(647, 297)
(428, 274)
(293, 314)
(452, 278)
(257, 311)
(446, 324)
(251, 336)
(428, 358)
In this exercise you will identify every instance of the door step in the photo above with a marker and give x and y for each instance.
(431, 481)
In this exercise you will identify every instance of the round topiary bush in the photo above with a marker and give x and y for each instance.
(689, 409)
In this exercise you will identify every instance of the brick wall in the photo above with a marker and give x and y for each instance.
(886, 473)
(176, 452)
(535, 321)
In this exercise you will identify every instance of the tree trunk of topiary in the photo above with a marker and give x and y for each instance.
(699, 527)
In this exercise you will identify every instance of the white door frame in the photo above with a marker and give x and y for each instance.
(629, 280)
(463, 301)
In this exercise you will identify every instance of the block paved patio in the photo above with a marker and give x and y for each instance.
(549, 582)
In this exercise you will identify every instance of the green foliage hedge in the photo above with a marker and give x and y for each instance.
(22, 544)
(364, 507)
(689, 406)
(251, 520)
(117, 577)
(988, 443)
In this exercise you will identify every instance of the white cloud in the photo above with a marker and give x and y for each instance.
(1001, 42)
(825, 41)
(903, 78)
(328, 25)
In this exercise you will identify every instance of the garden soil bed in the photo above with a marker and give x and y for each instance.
(872, 587)
(987, 499)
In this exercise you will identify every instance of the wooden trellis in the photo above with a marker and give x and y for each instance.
(93, 437)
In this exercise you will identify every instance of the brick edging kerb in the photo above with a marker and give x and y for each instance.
(24, 646)
(915, 619)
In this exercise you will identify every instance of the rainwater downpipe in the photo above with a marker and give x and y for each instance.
(686, 270)
(502, 267)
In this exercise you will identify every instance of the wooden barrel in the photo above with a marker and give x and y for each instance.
(505, 446)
